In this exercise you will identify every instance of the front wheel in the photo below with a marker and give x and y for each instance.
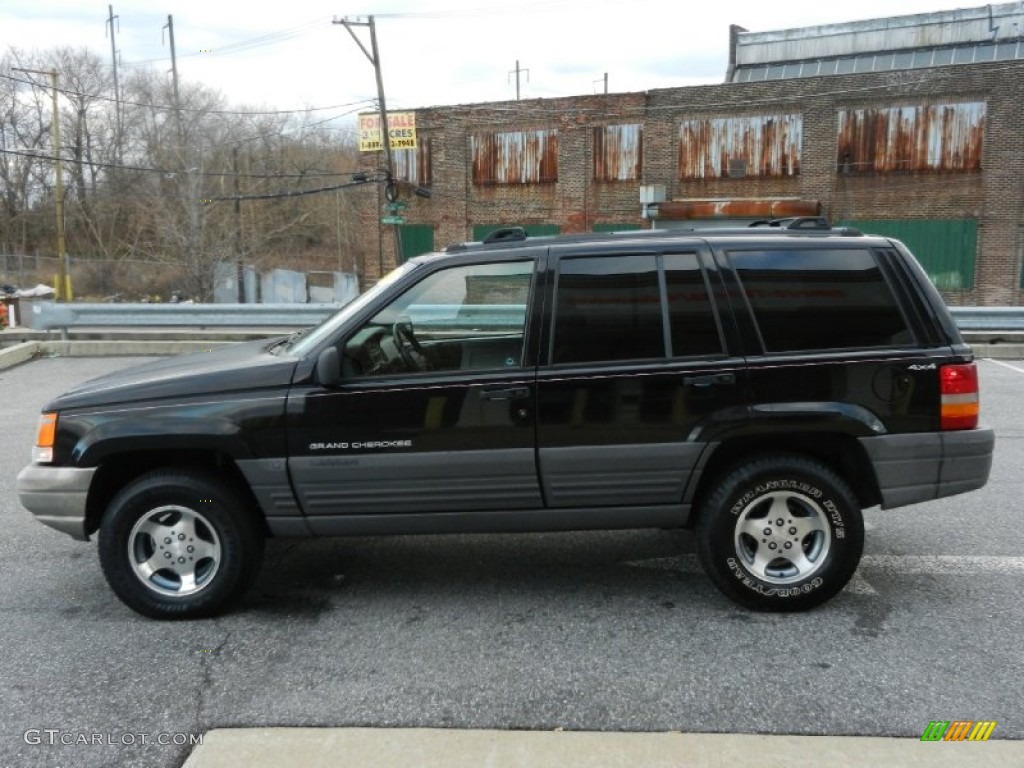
(780, 533)
(178, 544)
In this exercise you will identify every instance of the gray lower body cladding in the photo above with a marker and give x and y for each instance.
(920, 467)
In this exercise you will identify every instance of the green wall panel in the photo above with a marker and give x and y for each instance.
(946, 248)
(416, 239)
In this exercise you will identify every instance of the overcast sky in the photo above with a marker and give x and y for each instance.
(289, 55)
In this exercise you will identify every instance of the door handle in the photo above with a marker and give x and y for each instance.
(507, 393)
(709, 380)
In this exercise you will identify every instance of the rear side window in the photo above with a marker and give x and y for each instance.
(820, 299)
(608, 309)
(632, 307)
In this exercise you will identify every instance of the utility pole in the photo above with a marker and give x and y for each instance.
(169, 26)
(516, 72)
(63, 287)
(190, 190)
(239, 267)
(117, 97)
(390, 188)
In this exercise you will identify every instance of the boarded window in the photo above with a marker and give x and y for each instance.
(522, 157)
(763, 145)
(937, 137)
(414, 165)
(618, 152)
(946, 248)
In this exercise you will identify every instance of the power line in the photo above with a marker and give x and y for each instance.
(271, 38)
(172, 172)
(295, 193)
(170, 108)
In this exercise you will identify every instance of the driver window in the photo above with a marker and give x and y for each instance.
(457, 319)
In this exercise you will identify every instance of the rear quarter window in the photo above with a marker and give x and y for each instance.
(819, 299)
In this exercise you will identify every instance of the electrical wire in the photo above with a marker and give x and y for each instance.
(170, 108)
(271, 38)
(172, 172)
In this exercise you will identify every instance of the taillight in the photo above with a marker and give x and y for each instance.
(961, 405)
(43, 452)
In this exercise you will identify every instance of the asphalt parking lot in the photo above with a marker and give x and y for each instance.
(582, 631)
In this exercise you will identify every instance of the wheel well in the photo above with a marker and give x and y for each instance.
(118, 470)
(843, 454)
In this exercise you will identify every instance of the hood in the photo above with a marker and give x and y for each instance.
(248, 366)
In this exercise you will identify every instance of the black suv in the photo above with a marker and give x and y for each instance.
(761, 385)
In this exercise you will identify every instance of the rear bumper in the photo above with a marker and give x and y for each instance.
(56, 496)
(925, 466)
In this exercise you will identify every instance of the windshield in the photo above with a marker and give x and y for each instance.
(308, 340)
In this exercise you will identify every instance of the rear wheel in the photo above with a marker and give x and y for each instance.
(179, 544)
(780, 533)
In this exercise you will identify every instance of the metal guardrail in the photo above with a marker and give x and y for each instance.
(988, 318)
(49, 315)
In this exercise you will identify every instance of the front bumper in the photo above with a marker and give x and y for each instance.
(56, 496)
(920, 467)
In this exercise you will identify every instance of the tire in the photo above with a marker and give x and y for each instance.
(800, 509)
(177, 544)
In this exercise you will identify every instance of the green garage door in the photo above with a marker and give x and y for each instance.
(946, 248)
(416, 239)
(480, 231)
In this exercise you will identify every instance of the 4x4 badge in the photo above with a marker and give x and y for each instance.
(919, 367)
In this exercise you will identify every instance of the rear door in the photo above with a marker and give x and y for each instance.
(635, 378)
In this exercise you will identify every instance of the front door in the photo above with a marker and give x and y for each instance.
(436, 409)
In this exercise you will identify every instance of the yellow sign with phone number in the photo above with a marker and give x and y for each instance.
(401, 131)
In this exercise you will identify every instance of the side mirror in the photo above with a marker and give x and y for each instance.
(328, 367)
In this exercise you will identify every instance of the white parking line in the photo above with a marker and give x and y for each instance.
(942, 564)
(938, 565)
(1005, 365)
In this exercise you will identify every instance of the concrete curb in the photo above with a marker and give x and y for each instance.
(18, 354)
(439, 748)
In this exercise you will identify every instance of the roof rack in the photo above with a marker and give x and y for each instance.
(506, 234)
(810, 225)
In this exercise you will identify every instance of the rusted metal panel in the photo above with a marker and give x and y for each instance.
(759, 145)
(738, 208)
(934, 137)
(520, 157)
(414, 165)
(618, 152)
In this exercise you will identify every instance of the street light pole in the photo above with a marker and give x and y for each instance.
(63, 287)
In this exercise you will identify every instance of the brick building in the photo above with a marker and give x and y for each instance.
(909, 126)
